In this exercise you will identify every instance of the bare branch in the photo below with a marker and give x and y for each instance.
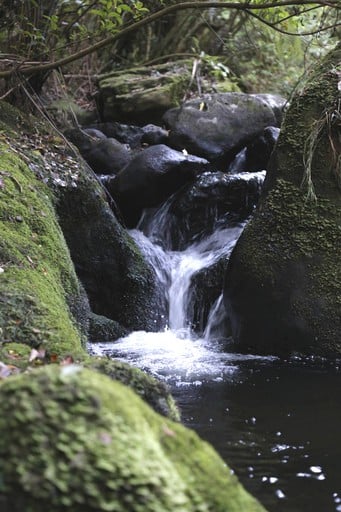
(247, 6)
(287, 33)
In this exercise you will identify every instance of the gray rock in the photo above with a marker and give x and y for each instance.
(217, 126)
(142, 95)
(104, 155)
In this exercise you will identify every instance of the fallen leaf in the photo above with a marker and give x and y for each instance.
(167, 431)
(66, 361)
(7, 369)
(37, 354)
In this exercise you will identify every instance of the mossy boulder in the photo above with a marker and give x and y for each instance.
(41, 300)
(71, 439)
(102, 328)
(143, 94)
(119, 282)
(155, 392)
(283, 283)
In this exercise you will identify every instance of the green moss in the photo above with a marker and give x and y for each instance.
(16, 355)
(73, 440)
(151, 390)
(11, 119)
(102, 328)
(37, 276)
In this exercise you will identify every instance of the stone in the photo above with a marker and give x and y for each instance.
(150, 178)
(72, 439)
(199, 207)
(41, 300)
(283, 283)
(104, 155)
(217, 126)
(143, 94)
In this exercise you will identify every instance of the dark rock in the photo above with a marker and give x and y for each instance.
(150, 178)
(283, 282)
(199, 207)
(205, 288)
(102, 329)
(153, 135)
(108, 156)
(104, 155)
(120, 284)
(259, 150)
(94, 133)
(217, 126)
(126, 134)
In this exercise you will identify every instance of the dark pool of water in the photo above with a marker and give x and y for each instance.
(278, 424)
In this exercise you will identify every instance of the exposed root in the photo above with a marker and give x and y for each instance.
(329, 124)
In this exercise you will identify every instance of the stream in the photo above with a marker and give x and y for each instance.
(276, 422)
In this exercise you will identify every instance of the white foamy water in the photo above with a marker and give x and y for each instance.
(174, 356)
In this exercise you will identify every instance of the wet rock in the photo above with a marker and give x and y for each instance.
(217, 126)
(151, 177)
(126, 134)
(120, 284)
(259, 150)
(153, 135)
(214, 195)
(205, 288)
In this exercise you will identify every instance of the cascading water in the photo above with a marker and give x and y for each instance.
(179, 354)
(260, 413)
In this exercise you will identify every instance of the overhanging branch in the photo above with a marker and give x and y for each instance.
(248, 6)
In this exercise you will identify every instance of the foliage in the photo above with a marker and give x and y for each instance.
(268, 60)
(250, 36)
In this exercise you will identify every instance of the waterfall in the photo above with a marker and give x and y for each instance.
(175, 269)
(186, 261)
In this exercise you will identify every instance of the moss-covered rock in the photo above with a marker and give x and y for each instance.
(37, 278)
(73, 440)
(283, 283)
(151, 390)
(120, 283)
(102, 328)
(143, 94)
(43, 306)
